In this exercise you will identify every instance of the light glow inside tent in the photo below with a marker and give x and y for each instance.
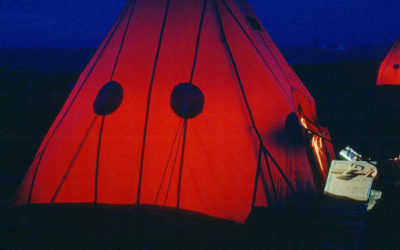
(183, 105)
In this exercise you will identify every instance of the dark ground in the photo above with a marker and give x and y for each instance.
(357, 112)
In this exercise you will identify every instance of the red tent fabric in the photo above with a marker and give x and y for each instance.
(389, 72)
(185, 104)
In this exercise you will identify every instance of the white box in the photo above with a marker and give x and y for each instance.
(347, 179)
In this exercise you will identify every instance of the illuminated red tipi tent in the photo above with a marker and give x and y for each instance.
(186, 104)
(389, 72)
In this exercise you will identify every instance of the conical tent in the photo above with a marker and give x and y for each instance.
(389, 72)
(186, 104)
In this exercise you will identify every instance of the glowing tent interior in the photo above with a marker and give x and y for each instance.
(186, 104)
(389, 72)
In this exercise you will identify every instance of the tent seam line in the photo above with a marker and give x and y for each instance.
(123, 41)
(168, 160)
(257, 50)
(181, 164)
(149, 101)
(244, 94)
(270, 178)
(96, 180)
(198, 40)
(67, 171)
(256, 179)
(173, 166)
(74, 98)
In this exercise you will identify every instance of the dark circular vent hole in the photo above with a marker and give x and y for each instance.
(108, 99)
(187, 100)
(396, 66)
(294, 128)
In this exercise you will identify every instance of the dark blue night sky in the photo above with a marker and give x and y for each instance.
(74, 23)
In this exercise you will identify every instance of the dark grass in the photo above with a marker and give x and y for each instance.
(92, 226)
(332, 224)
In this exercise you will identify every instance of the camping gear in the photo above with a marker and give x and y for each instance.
(349, 154)
(183, 105)
(348, 179)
